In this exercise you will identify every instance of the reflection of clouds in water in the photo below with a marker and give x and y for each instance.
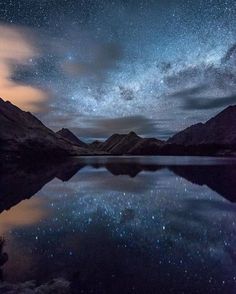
(23, 216)
(26, 213)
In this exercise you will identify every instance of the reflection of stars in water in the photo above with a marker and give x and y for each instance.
(165, 225)
(112, 204)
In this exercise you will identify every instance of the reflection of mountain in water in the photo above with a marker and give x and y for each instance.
(219, 178)
(18, 182)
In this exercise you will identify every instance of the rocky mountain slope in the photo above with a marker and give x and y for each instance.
(217, 135)
(129, 144)
(21, 133)
(68, 135)
(220, 129)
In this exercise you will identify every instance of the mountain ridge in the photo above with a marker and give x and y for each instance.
(68, 135)
(22, 133)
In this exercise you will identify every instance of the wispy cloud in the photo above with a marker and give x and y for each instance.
(205, 86)
(104, 57)
(16, 49)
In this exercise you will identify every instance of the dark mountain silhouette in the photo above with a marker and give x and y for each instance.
(130, 144)
(217, 135)
(68, 135)
(21, 133)
(119, 144)
(95, 145)
(146, 146)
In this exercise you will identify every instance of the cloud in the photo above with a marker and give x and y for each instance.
(16, 49)
(15, 217)
(101, 128)
(205, 86)
(192, 99)
(104, 57)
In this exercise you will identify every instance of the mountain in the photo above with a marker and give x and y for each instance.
(68, 135)
(215, 136)
(95, 145)
(21, 133)
(120, 144)
(130, 144)
(147, 146)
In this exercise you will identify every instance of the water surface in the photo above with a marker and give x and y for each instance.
(122, 225)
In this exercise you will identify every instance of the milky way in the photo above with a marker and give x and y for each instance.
(153, 67)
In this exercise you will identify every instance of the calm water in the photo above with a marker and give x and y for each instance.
(122, 225)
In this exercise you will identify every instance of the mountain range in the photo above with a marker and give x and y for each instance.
(22, 134)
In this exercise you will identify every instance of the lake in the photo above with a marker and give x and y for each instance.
(122, 224)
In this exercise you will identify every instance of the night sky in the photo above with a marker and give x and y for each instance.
(102, 66)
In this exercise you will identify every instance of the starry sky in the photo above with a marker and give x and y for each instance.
(99, 67)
